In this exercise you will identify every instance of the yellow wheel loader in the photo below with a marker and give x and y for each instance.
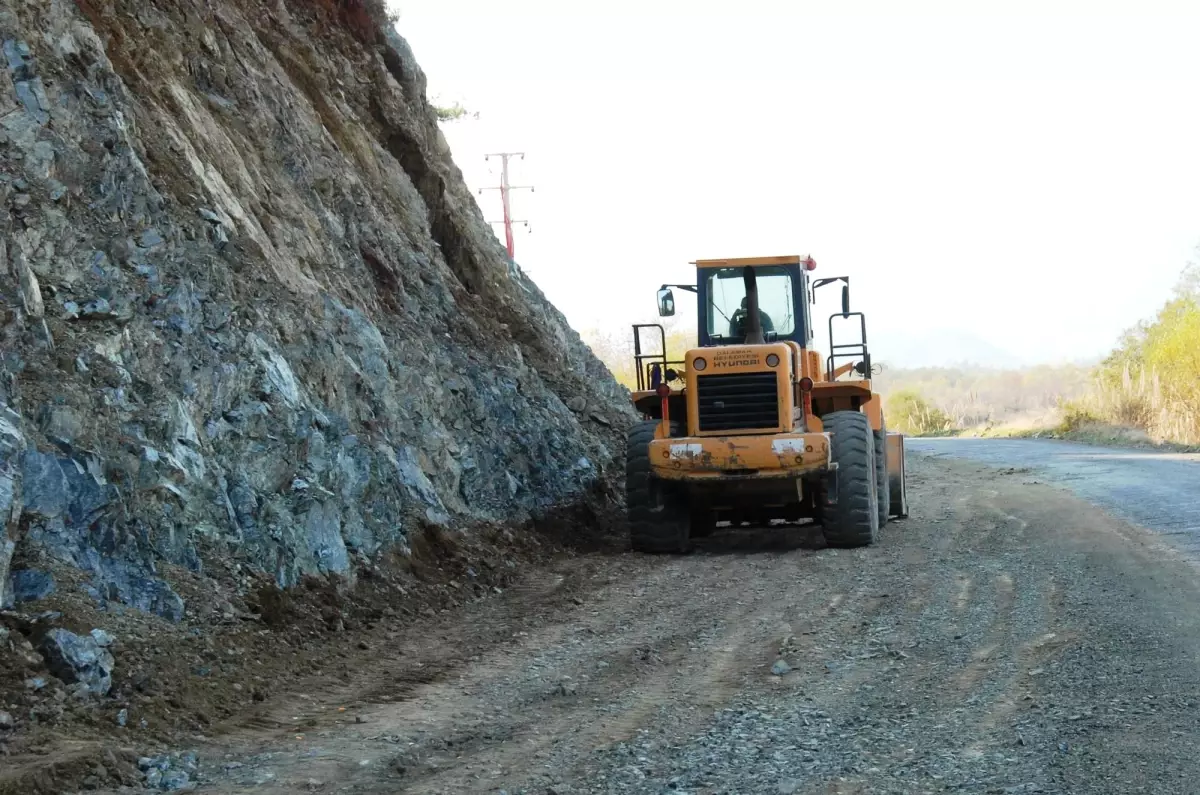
(752, 426)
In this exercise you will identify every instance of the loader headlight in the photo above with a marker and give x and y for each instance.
(699, 363)
(772, 360)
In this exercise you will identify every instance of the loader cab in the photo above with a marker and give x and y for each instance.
(782, 304)
(785, 293)
(722, 306)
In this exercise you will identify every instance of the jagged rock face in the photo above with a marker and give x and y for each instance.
(249, 312)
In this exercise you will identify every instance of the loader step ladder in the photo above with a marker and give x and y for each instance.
(850, 350)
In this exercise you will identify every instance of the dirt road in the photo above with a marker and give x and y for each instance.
(1007, 638)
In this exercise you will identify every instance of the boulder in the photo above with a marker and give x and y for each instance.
(30, 585)
(78, 660)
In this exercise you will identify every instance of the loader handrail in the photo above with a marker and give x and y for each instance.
(645, 363)
(847, 350)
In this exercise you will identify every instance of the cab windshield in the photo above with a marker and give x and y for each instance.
(726, 313)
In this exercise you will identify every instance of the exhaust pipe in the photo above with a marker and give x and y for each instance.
(754, 332)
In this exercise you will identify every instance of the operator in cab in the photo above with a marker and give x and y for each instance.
(737, 324)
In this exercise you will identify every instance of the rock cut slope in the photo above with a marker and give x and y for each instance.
(250, 316)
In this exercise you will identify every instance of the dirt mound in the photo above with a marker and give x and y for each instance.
(177, 684)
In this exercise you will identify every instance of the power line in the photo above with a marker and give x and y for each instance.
(505, 189)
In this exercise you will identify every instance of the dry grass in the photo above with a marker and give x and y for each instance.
(1131, 411)
(1137, 403)
(908, 412)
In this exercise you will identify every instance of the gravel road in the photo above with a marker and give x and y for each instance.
(1160, 491)
(1007, 638)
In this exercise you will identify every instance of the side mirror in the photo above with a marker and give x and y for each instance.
(666, 302)
(845, 300)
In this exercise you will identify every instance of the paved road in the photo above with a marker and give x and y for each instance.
(1159, 491)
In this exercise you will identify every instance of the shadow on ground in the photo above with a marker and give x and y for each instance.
(762, 539)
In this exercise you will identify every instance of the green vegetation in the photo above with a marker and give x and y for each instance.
(983, 398)
(1151, 382)
(1146, 392)
(450, 112)
(912, 414)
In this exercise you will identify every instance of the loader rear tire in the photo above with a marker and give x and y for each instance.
(659, 518)
(882, 487)
(851, 517)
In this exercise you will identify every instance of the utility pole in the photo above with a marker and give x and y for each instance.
(505, 189)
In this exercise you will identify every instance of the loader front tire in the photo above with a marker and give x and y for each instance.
(851, 516)
(659, 518)
(882, 487)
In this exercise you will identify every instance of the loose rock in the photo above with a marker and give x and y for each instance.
(30, 585)
(78, 660)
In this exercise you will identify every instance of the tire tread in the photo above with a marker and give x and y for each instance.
(650, 530)
(852, 521)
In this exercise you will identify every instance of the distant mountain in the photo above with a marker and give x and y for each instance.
(945, 348)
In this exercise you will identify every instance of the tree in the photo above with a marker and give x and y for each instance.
(1189, 280)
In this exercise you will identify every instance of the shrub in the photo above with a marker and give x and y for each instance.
(910, 413)
(1151, 381)
(1076, 416)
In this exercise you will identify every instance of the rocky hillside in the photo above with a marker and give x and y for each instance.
(251, 319)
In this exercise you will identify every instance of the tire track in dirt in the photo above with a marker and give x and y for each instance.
(954, 655)
(992, 603)
(1041, 639)
(413, 664)
(735, 658)
(629, 696)
(995, 638)
(1023, 628)
(962, 595)
(642, 667)
(291, 734)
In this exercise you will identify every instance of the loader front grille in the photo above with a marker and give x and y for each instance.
(737, 401)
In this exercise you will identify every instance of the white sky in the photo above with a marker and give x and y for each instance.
(1023, 172)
